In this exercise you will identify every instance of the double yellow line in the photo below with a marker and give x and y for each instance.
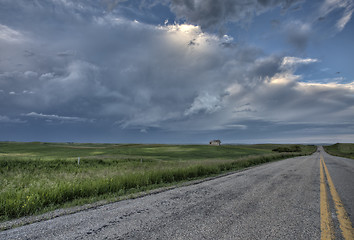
(327, 229)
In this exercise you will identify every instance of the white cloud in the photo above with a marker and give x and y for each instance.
(284, 78)
(55, 117)
(331, 85)
(10, 35)
(295, 61)
(235, 126)
(330, 6)
(27, 92)
(344, 19)
(46, 76)
(205, 102)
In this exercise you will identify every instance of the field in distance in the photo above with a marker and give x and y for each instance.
(341, 149)
(38, 177)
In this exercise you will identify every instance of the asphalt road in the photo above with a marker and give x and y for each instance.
(280, 200)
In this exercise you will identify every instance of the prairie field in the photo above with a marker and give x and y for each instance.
(341, 150)
(37, 177)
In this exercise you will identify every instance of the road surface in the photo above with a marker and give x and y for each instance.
(289, 199)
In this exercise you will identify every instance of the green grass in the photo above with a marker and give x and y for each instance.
(341, 149)
(38, 177)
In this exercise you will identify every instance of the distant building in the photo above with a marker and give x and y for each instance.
(215, 142)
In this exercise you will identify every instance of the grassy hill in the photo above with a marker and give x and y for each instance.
(341, 149)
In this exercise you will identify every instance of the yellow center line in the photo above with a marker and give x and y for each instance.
(344, 221)
(327, 231)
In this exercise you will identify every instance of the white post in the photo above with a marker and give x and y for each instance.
(141, 160)
(78, 161)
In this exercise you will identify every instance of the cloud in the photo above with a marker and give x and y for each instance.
(213, 14)
(55, 117)
(195, 85)
(143, 77)
(47, 76)
(344, 19)
(10, 35)
(235, 126)
(204, 102)
(6, 119)
(30, 74)
(298, 34)
(291, 62)
(325, 21)
(283, 99)
(117, 77)
(111, 4)
(67, 53)
(330, 6)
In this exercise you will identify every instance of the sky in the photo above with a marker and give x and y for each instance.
(177, 71)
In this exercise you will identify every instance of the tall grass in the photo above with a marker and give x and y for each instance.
(14, 204)
(40, 182)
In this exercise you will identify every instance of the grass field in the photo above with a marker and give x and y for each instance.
(341, 149)
(38, 177)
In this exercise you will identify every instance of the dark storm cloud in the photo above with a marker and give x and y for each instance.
(6, 119)
(215, 13)
(76, 62)
(298, 34)
(116, 75)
